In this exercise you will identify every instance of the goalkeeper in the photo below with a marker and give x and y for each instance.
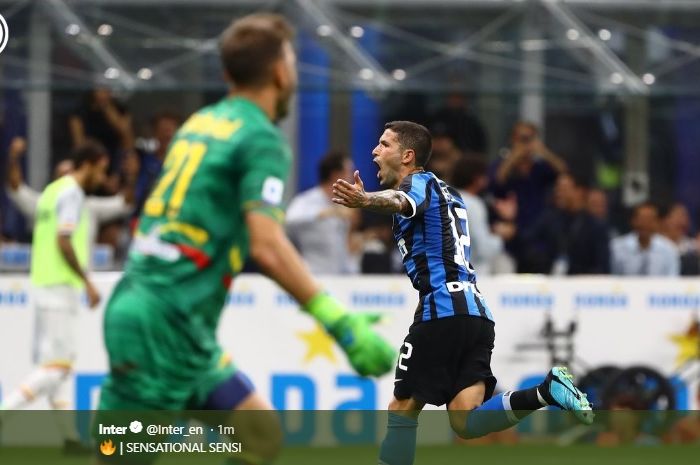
(218, 201)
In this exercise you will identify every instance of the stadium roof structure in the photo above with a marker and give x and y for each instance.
(636, 47)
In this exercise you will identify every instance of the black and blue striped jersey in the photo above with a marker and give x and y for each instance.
(435, 245)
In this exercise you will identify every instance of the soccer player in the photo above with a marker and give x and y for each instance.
(446, 356)
(218, 201)
(60, 255)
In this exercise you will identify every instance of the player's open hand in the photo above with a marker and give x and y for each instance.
(350, 195)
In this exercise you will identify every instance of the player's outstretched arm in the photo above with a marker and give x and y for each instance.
(369, 353)
(354, 196)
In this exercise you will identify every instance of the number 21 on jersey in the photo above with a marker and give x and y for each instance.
(180, 166)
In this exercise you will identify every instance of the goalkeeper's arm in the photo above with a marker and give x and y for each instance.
(278, 259)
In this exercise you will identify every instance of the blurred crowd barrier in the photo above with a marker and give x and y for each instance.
(608, 324)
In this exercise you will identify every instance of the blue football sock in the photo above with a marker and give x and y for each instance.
(496, 414)
(399, 446)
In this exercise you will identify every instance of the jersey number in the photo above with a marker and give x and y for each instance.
(406, 356)
(180, 165)
(460, 232)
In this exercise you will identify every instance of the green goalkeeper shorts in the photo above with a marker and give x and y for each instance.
(160, 358)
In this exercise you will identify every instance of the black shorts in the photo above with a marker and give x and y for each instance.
(439, 358)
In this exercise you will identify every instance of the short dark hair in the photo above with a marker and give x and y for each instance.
(524, 124)
(331, 162)
(646, 204)
(467, 170)
(165, 114)
(89, 151)
(413, 136)
(250, 45)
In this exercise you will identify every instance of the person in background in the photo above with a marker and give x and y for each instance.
(379, 252)
(103, 118)
(528, 169)
(566, 239)
(100, 209)
(675, 226)
(644, 252)
(625, 418)
(59, 274)
(151, 154)
(687, 429)
(457, 122)
(597, 206)
(445, 155)
(322, 230)
(488, 254)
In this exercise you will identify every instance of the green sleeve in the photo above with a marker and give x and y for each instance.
(265, 166)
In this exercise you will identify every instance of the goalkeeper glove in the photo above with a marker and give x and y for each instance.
(368, 353)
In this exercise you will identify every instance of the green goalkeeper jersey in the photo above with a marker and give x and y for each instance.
(191, 240)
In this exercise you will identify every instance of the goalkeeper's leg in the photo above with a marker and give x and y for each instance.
(234, 403)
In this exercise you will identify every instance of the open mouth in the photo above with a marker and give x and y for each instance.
(379, 167)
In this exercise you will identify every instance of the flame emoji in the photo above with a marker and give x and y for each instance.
(107, 447)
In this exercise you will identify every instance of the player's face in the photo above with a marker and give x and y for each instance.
(387, 155)
(287, 79)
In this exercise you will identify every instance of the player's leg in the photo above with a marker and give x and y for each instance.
(256, 424)
(473, 410)
(53, 351)
(399, 445)
(420, 379)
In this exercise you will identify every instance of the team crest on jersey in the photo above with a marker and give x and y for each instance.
(273, 190)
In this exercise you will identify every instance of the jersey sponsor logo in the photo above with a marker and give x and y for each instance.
(272, 191)
(458, 286)
(4, 33)
(527, 300)
(671, 301)
(618, 301)
(373, 299)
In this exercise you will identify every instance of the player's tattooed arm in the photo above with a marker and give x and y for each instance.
(354, 196)
(388, 201)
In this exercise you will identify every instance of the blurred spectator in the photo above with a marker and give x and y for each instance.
(488, 255)
(151, 154)
(675, 226)
(528, 169)
(687, 429)
(379, 253)
(566, 239)
(444, 156)
(459, 124)
(644, 252)
(103, 118)
(625, 420)
(597, 206)
(321, 229)
(100, 209)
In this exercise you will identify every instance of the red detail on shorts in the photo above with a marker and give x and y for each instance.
(227, 280)
(199, 258)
